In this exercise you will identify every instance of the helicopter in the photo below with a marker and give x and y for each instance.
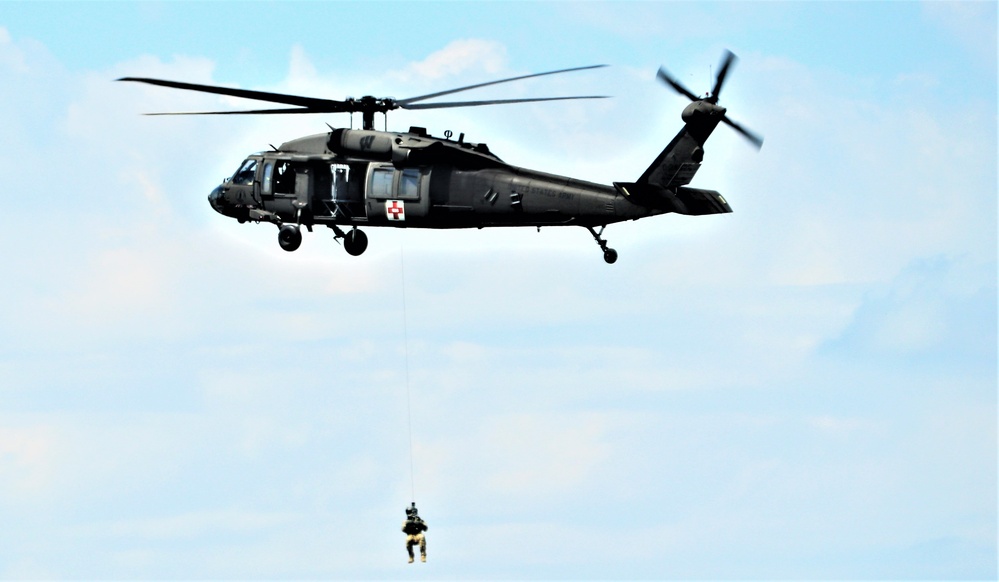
(345, 179)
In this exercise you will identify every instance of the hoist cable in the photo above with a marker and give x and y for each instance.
(409, 400)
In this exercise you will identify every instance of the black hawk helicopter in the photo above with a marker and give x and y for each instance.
(354, 178)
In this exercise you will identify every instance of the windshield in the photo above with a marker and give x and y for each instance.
(244, 175)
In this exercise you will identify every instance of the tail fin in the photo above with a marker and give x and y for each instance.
(678, 163)
(663, 184)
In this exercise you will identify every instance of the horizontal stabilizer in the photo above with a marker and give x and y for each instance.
(691, 201)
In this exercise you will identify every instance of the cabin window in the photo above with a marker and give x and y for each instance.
(409, 184)
(381, 183)
(245, 173)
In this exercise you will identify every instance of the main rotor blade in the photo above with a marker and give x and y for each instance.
(321, 105)
(404, 102)
(669, 80)
(752, 137)
(494, 102)
(727, 61)
(251, 112)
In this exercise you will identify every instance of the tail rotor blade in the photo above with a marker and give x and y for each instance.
(727, 61)
(755, 139)
(669, 80)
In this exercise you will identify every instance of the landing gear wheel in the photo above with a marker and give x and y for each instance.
(354, 242)
(290, 237)
(610, 255)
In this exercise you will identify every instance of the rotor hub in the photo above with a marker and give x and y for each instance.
(702, 109)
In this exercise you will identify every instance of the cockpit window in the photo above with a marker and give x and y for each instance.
(268, 174)
(245, 173)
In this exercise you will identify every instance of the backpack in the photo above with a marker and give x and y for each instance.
(414, 525)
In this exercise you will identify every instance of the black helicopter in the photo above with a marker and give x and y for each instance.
(354, 178)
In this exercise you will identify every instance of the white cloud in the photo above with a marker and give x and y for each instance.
(838, 198)
(28, 459)
(195, 525)
(457, 57)
(972, 24)
(11, 56)
(936, 306)
(835, 425)
(538, 455)
(120, 285)
(301, 67)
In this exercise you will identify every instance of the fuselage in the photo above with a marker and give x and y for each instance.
(364, 177)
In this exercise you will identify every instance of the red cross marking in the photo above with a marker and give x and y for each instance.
(394, 211)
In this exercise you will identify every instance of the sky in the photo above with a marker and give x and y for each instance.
(802, 389)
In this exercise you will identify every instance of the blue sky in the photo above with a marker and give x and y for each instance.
(805, 388)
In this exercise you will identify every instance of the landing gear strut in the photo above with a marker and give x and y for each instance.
(290, 237)
(610, 255)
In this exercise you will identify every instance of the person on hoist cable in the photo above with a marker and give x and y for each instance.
(414, 527)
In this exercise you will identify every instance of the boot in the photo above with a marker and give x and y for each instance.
(411, 559)
(423, 558)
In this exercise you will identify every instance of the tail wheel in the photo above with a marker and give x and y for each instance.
(290, 237)
(354, 242)
(610, 255)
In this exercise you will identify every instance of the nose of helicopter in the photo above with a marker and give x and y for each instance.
(215, 199)
(221, 201)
